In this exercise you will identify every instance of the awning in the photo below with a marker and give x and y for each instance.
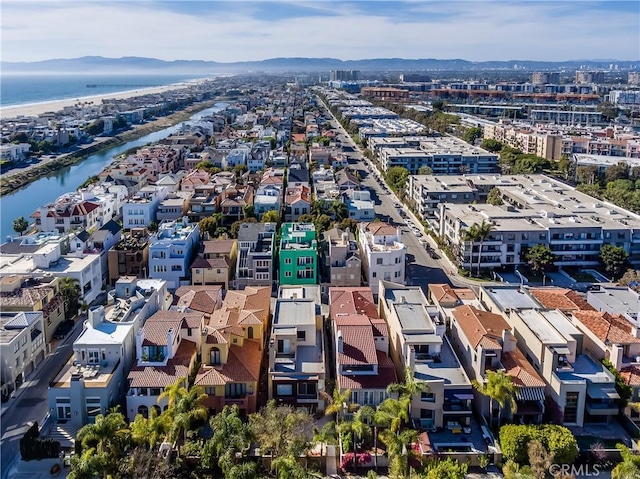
(530, 394)
(464, 397)
(562, 350)
(602, 392)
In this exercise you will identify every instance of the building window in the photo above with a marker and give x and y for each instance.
(235, 390)
(215, 356)
(287, 274)
(94, 356)
(287, 261)
(144, 410)
(302, 335)
(379, 261)
(250, 332)
(428, 397)
(571, 407)
(284, 389)
(307, 389)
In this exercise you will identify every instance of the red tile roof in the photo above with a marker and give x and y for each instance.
(359, 347)
(157, 326)
(243, 365)
(161, 376)
(386, 375)
(614, 328)
(354, 300)
(297, 193)
(480, 327)
(445, 294)
(560, 298)
(631, 375)
(379, 228)
(521, 370)
(199, 298)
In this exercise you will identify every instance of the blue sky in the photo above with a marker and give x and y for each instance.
(255, 30)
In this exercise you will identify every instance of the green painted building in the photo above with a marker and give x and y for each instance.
(298, 254)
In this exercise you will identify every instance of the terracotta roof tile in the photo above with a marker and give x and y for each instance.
(522, 372)
(631, 375)
(607, 327)
(380, 228)
(353, 300)
(199, 298)
(560, 298)
(243, 365)
(161, 376)
(386, 375)
(157, 326)
(358, 344)
(480, 327)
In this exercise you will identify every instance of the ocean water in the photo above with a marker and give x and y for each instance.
(20, 89)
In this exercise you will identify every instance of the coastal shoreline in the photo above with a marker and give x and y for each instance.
(13, 181)
(39, 108)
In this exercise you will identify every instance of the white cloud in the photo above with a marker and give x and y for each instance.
(234, 32)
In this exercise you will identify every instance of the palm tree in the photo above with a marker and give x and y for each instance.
(188, 409)
(360, 428)
(72, 294)
(174, 392)
(339, 403)
(470, 235)
(149, 432)
(408, 389)
(325, 434)
(478, 232)
(398, 460)
(499, 388)
(339, 210)
(230, 436)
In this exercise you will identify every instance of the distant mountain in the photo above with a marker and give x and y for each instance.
(97, 64)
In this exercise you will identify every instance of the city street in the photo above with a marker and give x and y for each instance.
(30, 401)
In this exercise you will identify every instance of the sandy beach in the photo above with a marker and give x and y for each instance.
(35, 109)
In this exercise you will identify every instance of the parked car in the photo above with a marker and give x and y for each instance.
(63, 329)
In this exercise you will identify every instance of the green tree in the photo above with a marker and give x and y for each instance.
(247, 211)
(317, 208)
(565, 165)
(587, 174)
(72, 296)
(339, 210)
(230, 437)
(348, 224)
(322, 223)
(425, 170)
(540, 258)
(327, 434)
(495, 197)
(188, 411)
(470, 135)
(306, 218)
(446, 469)
(270, 216)
(174, 392)
(210, 224)
(629, 468)
(539, 459)
(614, 259)
(152, 227)
(494, 146)
(20, 225)
(408, 389)
(478, 233)
(499, 388)
(148, 432)
(397, 177)
(235, 227)
(339, 403)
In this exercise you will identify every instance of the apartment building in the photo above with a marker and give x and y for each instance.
(363, 364)
(233, 200)
(174, 206)
(359, 205)
(141, 209)
(232, 349)
(165, 350)
(582, 390)
(55, 255)
(341, 258)
(254, 265)
(297, 202)
(22, 347)
(419, 347)
(171, 251)
(215, 264)
(540, 210)
(385, 93)
(268, 198)
(130, 256)
(296, 351)
(383, 253)
(484, 342)
(34, 294)
(298, 255)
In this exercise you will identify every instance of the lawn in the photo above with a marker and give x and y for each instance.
(579, 275)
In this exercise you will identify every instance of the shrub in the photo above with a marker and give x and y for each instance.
(557, 440)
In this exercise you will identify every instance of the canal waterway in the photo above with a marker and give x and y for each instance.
(27, 200)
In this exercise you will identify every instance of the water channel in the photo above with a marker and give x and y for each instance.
(27, 200)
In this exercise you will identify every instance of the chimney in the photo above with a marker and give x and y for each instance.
(169, 343)
(345, 238)
(508, 344)
(95, 316)
(340, 342)
(139, 340)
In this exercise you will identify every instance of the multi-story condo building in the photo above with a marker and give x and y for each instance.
(233, 200)
(541, 210)
(633, 78)
(232, 349)
(130, 256)
(541, 78)
(171, 251)
(33, 294)
(589, 77)
(428, 191)
(361, 339)
(582, 389)
(298, 255)
(360, 206)
(141, 208)
(22, 347)
(445, 155)
(174, 206)
(216, 264)
(254, 265)
(268, 198)
(53, 254)
(166, 349)
(296, 373)
(484, 343)
(342, 263)
(93, 379)
(297, 202)
(419, 347)
(383, 253)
